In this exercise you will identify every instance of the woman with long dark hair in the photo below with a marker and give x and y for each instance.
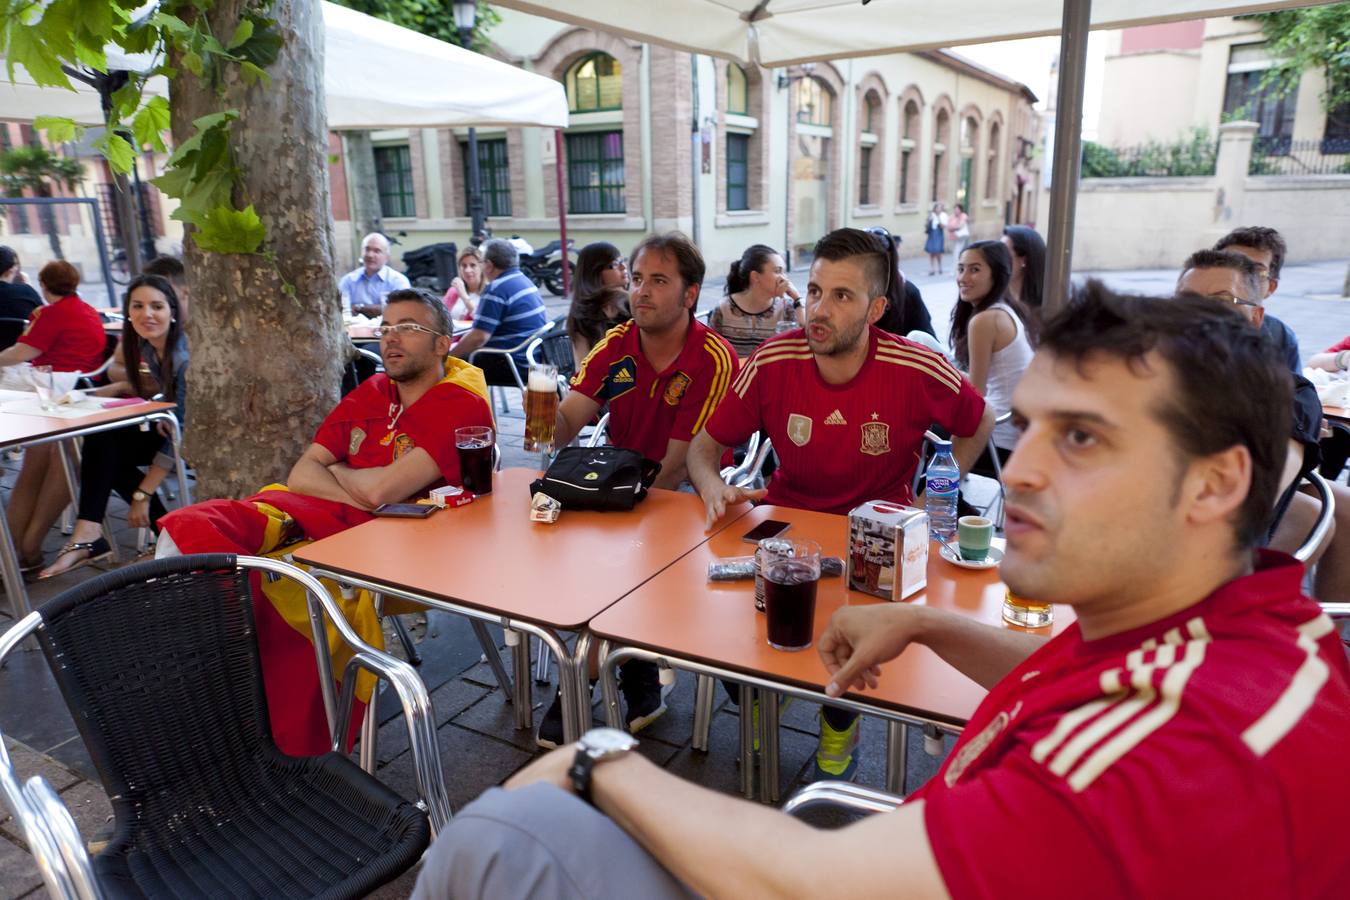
(1027, 284)
(989, 335)
(599, 296)
(759, 299)
(155, 353)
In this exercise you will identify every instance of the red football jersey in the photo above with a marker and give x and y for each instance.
(648, 409)
(370, 428)
(1202, 755)
(70, 335)
(843, 444)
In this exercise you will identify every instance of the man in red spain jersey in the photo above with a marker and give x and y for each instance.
(1183, 738)
(391, 438)
(662, 374)
(846, 406)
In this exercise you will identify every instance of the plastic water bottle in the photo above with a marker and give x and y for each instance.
(943, 483)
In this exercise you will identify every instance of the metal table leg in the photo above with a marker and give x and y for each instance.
(370, 730)
(9, 568)
(609, 688)
(747, 741)
(768, 758)
(897, 756)
(703, 702)
(580, 664)
(494, 659)
(520, 682)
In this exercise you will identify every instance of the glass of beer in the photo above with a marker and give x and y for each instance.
(1027, 613)
(791, 573)
(474, 444)
(541, 407)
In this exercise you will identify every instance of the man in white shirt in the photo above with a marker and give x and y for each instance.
(363, 290)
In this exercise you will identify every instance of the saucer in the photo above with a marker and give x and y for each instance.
(994, 557)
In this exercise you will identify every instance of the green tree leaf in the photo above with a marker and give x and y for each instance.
(226, 230)
(126, 98)
(59, 129)
(262, 48)
(150, 124)
(26, 48)
(117, 150)
(242, 32)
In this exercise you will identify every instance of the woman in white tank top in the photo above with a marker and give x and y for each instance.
(989, 335)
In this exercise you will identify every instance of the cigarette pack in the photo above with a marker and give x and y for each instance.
(544, 508)
(451, 496)
(887, 549)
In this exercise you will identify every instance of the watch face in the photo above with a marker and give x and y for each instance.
(602, 742)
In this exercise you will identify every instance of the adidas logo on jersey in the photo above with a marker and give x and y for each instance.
(835, 418)
(623, 376)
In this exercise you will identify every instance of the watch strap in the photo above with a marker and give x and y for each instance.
(583, 765)
(138, 496)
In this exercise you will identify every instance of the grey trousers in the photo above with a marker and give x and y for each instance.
(540, 842)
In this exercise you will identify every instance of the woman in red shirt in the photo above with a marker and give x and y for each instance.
(66, 334)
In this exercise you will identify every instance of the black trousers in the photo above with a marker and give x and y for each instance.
(497, 369)
(111, 462)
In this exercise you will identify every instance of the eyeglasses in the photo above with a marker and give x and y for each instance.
(403, 329)
(879, 231)
(1229, 298)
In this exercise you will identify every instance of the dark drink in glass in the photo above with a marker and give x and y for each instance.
(790, 579)
(475, 458)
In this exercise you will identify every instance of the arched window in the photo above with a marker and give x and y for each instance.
(594, 84)
(909, 156)
(941, 135)
(813, 103)
(991, 174)
(738, 92)
(869, 152)
(871, 112)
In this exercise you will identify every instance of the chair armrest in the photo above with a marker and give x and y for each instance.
(843, 794)
(532, 351)
(1325, 517)
(411, 690)
(598, 433)
(371, 355)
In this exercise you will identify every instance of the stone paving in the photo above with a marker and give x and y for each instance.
(480, 747)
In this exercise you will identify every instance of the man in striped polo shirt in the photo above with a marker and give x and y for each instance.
(846, 406)
(509, 311)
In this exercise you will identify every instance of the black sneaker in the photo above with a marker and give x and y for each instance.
(644, 696)
(550, 733)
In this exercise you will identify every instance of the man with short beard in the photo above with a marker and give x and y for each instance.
(388, 440)
(846, 406)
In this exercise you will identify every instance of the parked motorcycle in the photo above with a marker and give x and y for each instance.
(544, 266)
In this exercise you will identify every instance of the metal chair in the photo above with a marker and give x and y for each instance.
(159, 664)
(555, 348)
(506, 353)
(1322, 526)
(748, 473)
(854, 797)
(1000, 498)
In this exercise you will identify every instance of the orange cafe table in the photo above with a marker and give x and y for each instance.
(682, 619)
(23, 423)
(488, 562)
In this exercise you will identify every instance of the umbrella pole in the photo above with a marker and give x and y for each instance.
(562, 210)
(1067, 150)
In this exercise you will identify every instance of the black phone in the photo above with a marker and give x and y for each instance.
(405, 510)
(766, 529)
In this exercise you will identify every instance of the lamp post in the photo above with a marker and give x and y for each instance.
(466, 11)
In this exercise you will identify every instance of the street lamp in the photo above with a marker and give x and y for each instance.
(466, 11)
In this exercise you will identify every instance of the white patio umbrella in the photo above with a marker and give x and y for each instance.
(778, 33)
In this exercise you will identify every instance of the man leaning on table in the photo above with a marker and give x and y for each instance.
(846, 406)
(1183, 737)
(662, 374)
(364, 289)
(389, 440)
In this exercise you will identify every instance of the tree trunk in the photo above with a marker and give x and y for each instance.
(265, 363)
(363, 186)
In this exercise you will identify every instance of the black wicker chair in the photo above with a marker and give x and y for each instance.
(158, 663)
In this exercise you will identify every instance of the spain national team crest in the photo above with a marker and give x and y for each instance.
(799, 429)
(876, 438)
(675, 388)
(354, 442)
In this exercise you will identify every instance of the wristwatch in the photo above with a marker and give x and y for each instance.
(597, 745)
(139, 496)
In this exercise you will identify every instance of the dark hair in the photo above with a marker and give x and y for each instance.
(1225, 259)
(1229, 387)
(59, 277)
(1029, 245)
(752, 260)
(999, 261)
(440, 316)
(688, 260)
(1258, 237)
(8, 258)
(586, 316)
(170, 267)
(877, 256)
(131, 341)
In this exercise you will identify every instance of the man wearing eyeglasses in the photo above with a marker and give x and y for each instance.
(388, 440)
(1234, 278)
(1266, 249)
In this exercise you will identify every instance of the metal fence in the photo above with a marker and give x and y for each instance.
(1285, 156)
(1154, 160)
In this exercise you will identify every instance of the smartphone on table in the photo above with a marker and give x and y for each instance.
(766, 529)
(405, 510)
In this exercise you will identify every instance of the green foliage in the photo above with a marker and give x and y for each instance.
(1192, 156)
(35, 169)
(434, 18)
(201, 174)
(1314, 37)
